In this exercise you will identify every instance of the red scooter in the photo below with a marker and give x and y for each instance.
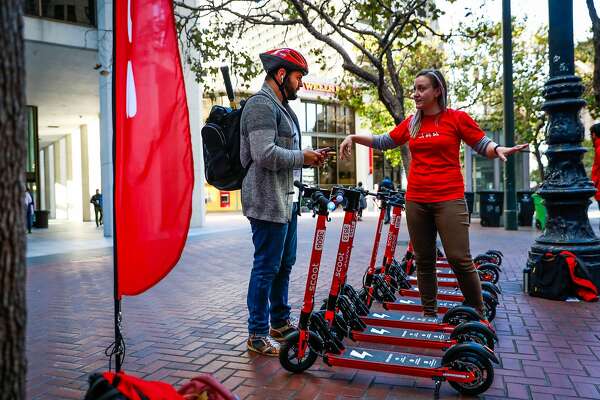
(485, 264)
(467, 366)
(384, 286)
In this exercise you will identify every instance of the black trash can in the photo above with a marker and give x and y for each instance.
(470, 198)
(525, 207)
(491, 204)
(41, 219)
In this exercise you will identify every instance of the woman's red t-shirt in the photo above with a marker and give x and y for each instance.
(435, 174)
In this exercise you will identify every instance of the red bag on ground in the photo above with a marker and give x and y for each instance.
(584, 287)
(120, 386)
(205, 384)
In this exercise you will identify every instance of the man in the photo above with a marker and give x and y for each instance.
(270, 149)
(386, 184)
(96, 200)
(595, 133)
(362, 202)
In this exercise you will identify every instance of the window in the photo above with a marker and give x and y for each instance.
(383, 168)
(76, 11)
(332, 118)
(328, 173)
(311, 117)
(321, 118)
(32, 167)
(300, 110)
(347, 168)
(325, 125)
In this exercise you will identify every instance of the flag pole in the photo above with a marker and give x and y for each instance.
(118, 348)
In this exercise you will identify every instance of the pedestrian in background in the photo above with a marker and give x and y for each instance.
(96, 200)
(29, 209)
(363, 201)
(386, 184)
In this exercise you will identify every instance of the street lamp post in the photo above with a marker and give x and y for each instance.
(566, 189)
(510, 211)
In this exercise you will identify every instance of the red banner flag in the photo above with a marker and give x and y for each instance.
(154, 173)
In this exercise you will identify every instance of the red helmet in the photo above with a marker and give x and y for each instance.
(286, 58)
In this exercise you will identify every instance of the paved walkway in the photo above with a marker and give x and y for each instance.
(194, 321)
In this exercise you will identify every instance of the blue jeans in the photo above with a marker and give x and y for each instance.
(274, 255)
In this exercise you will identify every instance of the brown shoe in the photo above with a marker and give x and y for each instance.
(282, 331)
(429, 314)
(264, 345)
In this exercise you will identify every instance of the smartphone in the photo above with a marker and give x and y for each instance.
(326, 150)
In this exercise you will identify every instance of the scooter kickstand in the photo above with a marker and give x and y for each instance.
(438, 384)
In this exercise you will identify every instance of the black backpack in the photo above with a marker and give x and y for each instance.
(559, 275)
(221, 141)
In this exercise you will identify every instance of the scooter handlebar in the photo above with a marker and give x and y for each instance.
(336, 199)
(320, 199)
(299, 185)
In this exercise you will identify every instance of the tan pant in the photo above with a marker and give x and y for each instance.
(451, 220)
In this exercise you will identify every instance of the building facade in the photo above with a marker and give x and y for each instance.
(68, 61)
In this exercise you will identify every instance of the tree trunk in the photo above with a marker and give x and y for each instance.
(399, 116)
(596, 39)
(12, 213)
(596, 80)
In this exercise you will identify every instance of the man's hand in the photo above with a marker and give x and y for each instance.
(313, 158)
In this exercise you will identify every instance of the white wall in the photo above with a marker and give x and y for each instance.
(74, 177)
(362, 157)
(194, 95)
(64, 34)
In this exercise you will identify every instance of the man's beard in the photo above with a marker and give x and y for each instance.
(290, 92)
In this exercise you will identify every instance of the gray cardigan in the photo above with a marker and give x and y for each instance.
(268, 141)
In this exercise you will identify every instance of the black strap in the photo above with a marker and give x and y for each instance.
(142, 396)
(113, 393)
(277, 118)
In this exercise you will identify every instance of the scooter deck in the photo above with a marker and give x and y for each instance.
(403, 337)
(442, 281)
(443, 293)
(387, 361)
(445, 272)
(413, 304)
(394, 319)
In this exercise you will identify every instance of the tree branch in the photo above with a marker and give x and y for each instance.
(332, 24)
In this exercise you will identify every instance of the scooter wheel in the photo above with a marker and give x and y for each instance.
(491, 313)
(484, 259)
(459, 314)
(340, 327)
(497, 254)
(474, 332)
(491, 288)
(489, 303)
(480, 366)
(288, 353)
(488, 272)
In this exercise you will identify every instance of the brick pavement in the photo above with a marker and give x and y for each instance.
(194, 321)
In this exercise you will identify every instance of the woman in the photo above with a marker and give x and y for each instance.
(435, 201)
